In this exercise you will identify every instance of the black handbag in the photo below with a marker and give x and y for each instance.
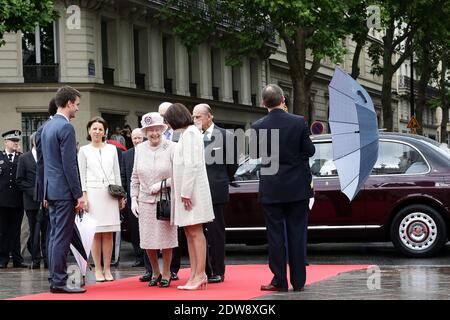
(114, 190)
(117, 191)
(163, 205)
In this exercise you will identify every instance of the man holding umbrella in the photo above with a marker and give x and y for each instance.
(284, 195)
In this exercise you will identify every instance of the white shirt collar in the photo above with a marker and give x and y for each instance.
(34, 152)
(8, 153)
(62, 114)
(168, 134)
(209, 131)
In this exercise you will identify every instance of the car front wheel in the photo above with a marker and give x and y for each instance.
(418, 231)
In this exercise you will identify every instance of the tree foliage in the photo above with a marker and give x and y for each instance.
(247, 27)
(23, 15)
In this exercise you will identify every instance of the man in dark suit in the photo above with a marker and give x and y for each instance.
(127, 169)
(220, 174)
(11, 208)
(39, 190)
(26, 181)
(62, 188)
(284, 187)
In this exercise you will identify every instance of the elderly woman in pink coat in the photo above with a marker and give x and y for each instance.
(153, 164)
(191, 197)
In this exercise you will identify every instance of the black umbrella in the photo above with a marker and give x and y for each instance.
(77, 243)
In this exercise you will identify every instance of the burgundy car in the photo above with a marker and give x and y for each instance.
(405, 200)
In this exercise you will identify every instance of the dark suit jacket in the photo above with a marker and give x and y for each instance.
(220, 174)
(39, 190)
(10, 194)
(292, 182)
(26, 180)
(126, 171)
(59, 150)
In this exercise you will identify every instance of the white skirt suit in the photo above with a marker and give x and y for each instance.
(99, 168)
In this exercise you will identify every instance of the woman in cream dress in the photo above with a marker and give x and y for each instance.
(153, 164)
(99, 167)
(191, 197)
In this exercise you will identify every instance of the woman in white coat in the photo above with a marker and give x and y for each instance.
(191, 197)
(99, 167)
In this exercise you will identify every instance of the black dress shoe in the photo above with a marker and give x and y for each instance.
(271, 287)
(66, 289)
(20, 265)
(299, 289)
(146, 277)
(138, 263)
(173, 276)
(216, 279)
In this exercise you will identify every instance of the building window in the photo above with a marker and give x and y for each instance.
(30, 123)
(139, 75)
(114, 121)
(39, 55)
(168, 62)
(108, 72)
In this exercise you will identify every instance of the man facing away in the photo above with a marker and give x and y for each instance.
(127, 169)
(61, 185)
(220, 174)
(284, 195)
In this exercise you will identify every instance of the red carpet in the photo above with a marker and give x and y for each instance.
(242, 283)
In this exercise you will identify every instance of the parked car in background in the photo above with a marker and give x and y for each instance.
(405, 200)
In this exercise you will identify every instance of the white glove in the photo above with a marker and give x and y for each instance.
(134, 207)
(155, 188)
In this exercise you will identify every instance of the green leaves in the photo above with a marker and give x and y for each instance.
(24, 15)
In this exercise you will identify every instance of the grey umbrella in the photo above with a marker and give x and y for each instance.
(354, 132)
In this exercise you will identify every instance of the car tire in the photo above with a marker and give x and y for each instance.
(418, 231)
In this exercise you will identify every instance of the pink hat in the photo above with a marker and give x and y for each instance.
(153, 119)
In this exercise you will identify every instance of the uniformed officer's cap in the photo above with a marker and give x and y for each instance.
(12, 135)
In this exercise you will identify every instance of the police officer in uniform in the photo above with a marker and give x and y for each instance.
(11, 208)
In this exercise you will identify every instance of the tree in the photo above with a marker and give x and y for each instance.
(399, 26)
(245, 27)
(24, 15)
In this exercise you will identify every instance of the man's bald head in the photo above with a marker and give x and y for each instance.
(137, 136)
(272, 96)
(163, 108)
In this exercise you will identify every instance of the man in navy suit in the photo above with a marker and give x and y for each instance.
(61, 186)
(284, 194)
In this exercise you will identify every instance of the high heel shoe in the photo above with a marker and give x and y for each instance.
(109, 277)
(155, 280)
(200, 285)
(99, 277)
(164, 283)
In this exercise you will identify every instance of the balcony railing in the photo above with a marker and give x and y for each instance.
(405, 83)
(215, 93)
(193, 89)
(39, 73)
(108, 76)
(168, 85)
(140, 80)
